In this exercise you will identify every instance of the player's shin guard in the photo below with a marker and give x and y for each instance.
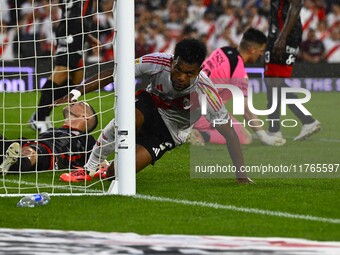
(104, 147)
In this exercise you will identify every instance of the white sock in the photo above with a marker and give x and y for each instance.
(104, 147)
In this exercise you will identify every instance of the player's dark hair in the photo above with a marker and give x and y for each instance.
(251, 36)
(191, 51)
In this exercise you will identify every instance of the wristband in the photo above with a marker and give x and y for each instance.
(76, 94)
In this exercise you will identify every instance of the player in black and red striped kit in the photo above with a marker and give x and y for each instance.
(284, 38)
(74, 29)
(67, 147)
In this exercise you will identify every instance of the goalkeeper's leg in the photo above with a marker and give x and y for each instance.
(104, 147)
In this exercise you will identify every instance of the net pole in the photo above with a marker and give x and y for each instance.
(125, 183)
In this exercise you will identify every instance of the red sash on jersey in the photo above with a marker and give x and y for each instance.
(28, 25)
(259, 20)
(231, 22)
(308, 21)
(211, 30)
(166, 46)
(334, 25)
(4, 45)
(332, 50)
(86, 5)
(324, 35)
(177, 103)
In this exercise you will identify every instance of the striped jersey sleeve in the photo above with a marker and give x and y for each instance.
(152, 64)
(215, 108)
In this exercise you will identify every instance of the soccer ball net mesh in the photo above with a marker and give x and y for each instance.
(30, 40)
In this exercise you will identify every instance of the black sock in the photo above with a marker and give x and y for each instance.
(51, 92)
(60, 92)
(45, 100)
(63, 90)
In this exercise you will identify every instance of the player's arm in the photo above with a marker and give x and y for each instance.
(258, 130)
(93, 41)
(292, 17)
(102, 79)
(97, 81)
(217, 111)
(235, 152)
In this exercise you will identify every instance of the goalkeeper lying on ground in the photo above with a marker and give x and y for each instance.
(67, 147)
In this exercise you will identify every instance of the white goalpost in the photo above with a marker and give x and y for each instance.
(125, 183)
(28, 40)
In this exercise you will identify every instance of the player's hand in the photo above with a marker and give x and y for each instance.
(72, 97)
(279, 48)
(93, 41)
(242, 178)
(246, 180)
(64, 99)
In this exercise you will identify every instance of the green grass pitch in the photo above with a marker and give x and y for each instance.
(170, 178)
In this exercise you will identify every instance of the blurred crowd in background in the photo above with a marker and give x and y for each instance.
(160, 24)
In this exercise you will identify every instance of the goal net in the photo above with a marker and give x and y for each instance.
(42, 40)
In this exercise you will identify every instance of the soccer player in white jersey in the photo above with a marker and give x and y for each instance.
(166, 109)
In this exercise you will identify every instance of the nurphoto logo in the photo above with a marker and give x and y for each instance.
(238, 105)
